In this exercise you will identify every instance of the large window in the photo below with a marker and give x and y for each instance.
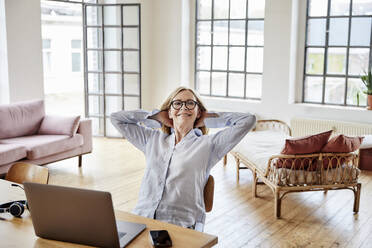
(229, 48)
(337, 51)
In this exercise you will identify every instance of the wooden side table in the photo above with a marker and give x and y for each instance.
(365, 154)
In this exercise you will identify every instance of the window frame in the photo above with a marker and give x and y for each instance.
(346, 76)
(228, 46)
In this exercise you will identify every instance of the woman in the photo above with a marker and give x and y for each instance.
(181, 155)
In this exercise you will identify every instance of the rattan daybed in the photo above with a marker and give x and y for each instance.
(260, 151)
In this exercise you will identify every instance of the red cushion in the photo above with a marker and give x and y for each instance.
(306, 145)
(342, 143)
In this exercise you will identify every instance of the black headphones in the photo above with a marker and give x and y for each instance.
(15, 208)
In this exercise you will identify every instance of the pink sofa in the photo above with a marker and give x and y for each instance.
(28, 135)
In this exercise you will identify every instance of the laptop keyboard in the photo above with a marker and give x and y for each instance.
(121, 234)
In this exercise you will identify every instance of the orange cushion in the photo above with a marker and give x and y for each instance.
(342, 143)
(306, 145)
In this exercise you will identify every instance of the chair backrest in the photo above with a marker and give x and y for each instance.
(208, 194)
(24, 172)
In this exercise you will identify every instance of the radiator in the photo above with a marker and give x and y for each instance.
(302, 127)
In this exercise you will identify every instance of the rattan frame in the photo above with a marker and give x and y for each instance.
(325, 163)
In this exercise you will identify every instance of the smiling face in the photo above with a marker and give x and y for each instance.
(184, 117)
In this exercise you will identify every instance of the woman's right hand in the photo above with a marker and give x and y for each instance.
(163, 118)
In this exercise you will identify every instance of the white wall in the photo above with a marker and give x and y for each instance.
(4, 83)
(23, 39)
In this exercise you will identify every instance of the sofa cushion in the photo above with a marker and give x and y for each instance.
(342, 143)
(11, 152)
(306, 145)
(39, 146)
(65, 125)
(21, 119)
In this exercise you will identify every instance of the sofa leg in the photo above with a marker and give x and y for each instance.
(357, 198)
(80, 160)
(278, 202)
(237, 168)
(225, 160)
(254, 189)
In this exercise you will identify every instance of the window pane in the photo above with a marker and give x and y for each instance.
(355, 86)
(340, 7)
(318, 7)
(94, 38)
(338, 31)
(219, 83)
(316, 32)
(95, 83)
(220, 58)
(203, 33)
(256, 8)
(131, 103)
(236, 84)
(131, 84)
(94, 15)
(358, 61)
(237, 32)
(131, 61)
(203, 79)
(360, 31)
(254, 59)
(76, 44)
(255, 36)
(46, 43)
(47, 62)
(313, 89)
(130, 15)
(315, 60)
(113, 83)
(203, 57)
(97, 126)
(94, 60)
(220, 32)
(254, 86)
(221, 9)
(131, 38)
(113, 104)
(95, 105)
(238, 9)
(111, 131)
(112, 37)
(336, 61)
(112, 15)
(75, 62)
(362, 7)
(236, 59)
(112, 61)
(334, 90)
(204, 9)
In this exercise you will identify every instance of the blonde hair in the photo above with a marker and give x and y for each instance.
(167, 105)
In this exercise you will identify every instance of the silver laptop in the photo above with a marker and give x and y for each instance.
(77, 216)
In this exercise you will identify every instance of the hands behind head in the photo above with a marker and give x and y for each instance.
(163, 118)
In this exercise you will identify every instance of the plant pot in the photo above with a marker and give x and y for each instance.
(369, 102)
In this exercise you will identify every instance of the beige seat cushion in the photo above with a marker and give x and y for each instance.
(11, 152)
(39, 146)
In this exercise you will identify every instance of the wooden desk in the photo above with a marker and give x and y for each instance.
(19, 232)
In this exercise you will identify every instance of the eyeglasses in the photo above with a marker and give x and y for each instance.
(189, 104)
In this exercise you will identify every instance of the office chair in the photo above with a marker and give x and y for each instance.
(25, 172)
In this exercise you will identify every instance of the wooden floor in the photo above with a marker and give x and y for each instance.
(312, 219)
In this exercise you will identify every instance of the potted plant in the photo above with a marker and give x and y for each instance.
(367, 80)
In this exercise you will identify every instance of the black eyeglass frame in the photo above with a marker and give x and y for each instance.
(184, 103)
